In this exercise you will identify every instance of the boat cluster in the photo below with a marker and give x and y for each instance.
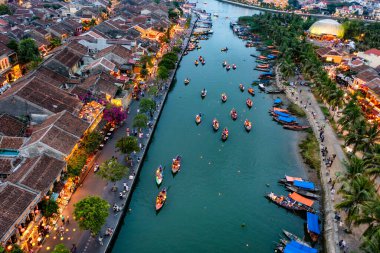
(161, 197)
(285, 118)
(228, 66)
(300, 201)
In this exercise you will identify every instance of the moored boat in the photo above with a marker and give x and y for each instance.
(285, 120)
(289, 179)
(247, 125)
(161, 198)
(304, 185)
(261, 86)
(249, 103)
(203, 93)
(176, 164)
(302, 192)
(233, 114)
(215, 124)
(293, 202)
(251, 91)
(187, 81)
(225, 134)
(263, 66)
(241, 87)
(159, 175)
(223, 97)
(312, 226)
(295, 238)
(296, 127)
(198, 118)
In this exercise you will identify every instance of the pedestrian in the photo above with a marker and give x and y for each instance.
(125, 186)
(121, 195)
(67, 220)
(63, 219)
(73, 248)
(100, 239)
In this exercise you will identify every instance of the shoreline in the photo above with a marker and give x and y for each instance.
(109, 245)
(330, 228)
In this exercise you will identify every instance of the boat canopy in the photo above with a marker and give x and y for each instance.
(295, 196)
(304, 184)
(295, 247)
(271, 56)
(312, 223)
(279, 109)
(277, 101)
(291, 179)
(287, 119)
(283, 114)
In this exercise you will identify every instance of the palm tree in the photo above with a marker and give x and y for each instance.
(356, 135)
(371, 216)
(351, 114)
(371, 245)
(371, 136)
(355, 193)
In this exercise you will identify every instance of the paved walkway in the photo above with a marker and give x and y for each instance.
(333, 231)
(94, 185)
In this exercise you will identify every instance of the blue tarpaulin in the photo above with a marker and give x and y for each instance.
(277, 101)
(286, 119)
(295, 247)
(304, 184)
(283, 114)
(271, 56)
(312, 223)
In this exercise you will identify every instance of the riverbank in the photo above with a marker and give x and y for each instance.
(303, 97)
(321, 16)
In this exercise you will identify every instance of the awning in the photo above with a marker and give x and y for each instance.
(277, 101)
(312, 223)
(304, 184)
(276, 109)
(291, 179)
(295, 247)
(295, 196)
(286, 119)
(283, 114)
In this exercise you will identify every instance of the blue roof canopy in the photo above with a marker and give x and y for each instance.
(277, 101)
(295, 247)
(304, 184)
(312, 223)
(283, 114)
(286, 119)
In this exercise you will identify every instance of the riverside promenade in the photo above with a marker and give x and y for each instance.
(94, 185)
(333, 232)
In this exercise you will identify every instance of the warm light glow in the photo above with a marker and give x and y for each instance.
(74, 229)
(54, 237)
(61, 238)
(10, 247)
(47, 248)
(47, 236)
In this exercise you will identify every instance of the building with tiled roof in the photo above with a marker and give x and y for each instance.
(11, 143)
(101, 64)
(101, 85)
(371, 56)
(11, 126)
(116, 53)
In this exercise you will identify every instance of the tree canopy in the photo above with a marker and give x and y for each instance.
(127, 145)
(49, 207)
(147, 105)
(60, 248)
(140, 121)
(91, 141)
(114, 114)
(112, 170)
(91, 213)
(27, 50)
(4, 9)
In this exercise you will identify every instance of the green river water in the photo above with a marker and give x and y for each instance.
(221, 185)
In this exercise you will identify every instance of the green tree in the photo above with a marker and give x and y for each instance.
(147, 105)
(16, 249)
(4, 9)
(140, 121)
(91, 141)
(27, 50)
(76, 162)
(55, 42)
(153, 90)
(371, 217)
(12, 44)
(163, 73)
(112, 170)
(49, 207)
(127, 145)
(60, 248)
(91, 213)
(371, 245)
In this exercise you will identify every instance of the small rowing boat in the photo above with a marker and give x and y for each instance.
(249, 103)
(223, 97)
(196, 62)
(251, 91)
(176, 164)
(295, 127)
(224, 64)
(203, 93)
(215, 125)
(234, 66)
(225, 134)
(160, 200)
(187, 81)
(302, 192)
(233, 114)
(293, 202)
(295, 238)
(224, 49)
(159, 175)
(261, 86)
(198, 118)
(241, 87)
(247, 125)
(228, 67)
(203, 62)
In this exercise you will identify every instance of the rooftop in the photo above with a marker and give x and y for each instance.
(11, 126)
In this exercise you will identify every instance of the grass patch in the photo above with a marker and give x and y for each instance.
(296, 110)
(309, 149)
(325, 111)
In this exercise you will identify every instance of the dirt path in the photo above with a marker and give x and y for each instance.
(333, 230)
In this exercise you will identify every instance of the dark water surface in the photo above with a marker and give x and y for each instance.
(221, 185)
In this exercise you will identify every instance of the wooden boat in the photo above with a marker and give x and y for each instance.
(224, 64)
(224, 49)
(161, 198)
(296, 127)
(233, 114)
(203, 93)
(249, 103)
(200, 58)
(314, 189)
(225, 134)
(253, 55)
(271, 47)
(203, 62)
(198, 119)
(261, 86)
(302, 192)
(289, 203)
(263, 66)
(196, 62)
(241, 87)
(263, 70)
(223, 97)
(265, 77)
(159, 175)
(228, 67)
(234, 66)
(289, 179)
(176, 164)
(262, 57)
(247, 125)
(275, 91)
(187, 81)
(295, 238)
(282, 121)
(215, 125)
(251, 91)
(279, 110)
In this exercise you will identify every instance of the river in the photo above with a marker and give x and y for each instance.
(216, 202)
